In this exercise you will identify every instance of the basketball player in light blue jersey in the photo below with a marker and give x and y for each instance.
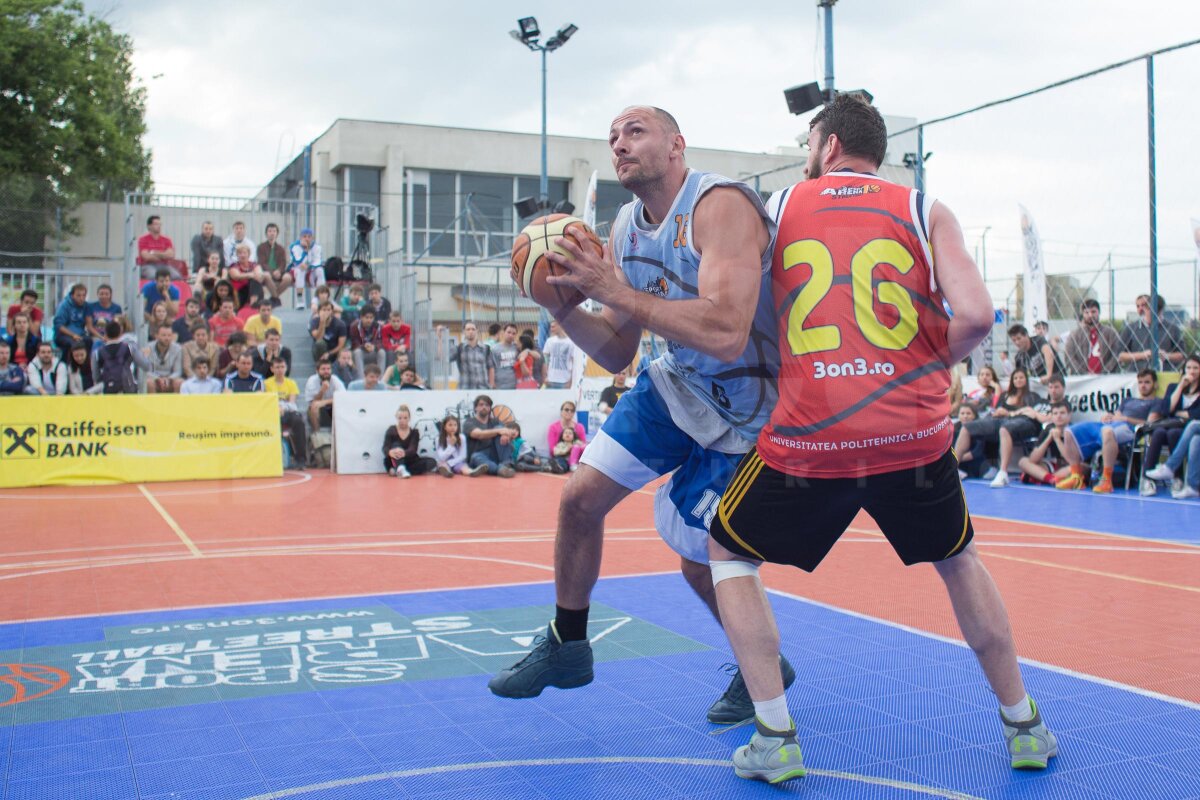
(689, 260)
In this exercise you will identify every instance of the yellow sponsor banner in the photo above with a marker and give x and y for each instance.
(128, 438)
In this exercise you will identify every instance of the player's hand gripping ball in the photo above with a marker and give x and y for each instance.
(530, 267)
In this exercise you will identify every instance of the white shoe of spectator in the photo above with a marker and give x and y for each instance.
(1148, 488)
(991, 473)
(1000, 481)
(962, 474)
(402, 472)
(1176, 485)
(1160, 473)
(1186, 493)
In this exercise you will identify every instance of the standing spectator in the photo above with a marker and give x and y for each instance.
(473, 360)
(205, 278)
(318, 395)
(100, 312)
(231, 243)
(161, 291)
(344, 367)
(80, 380)
(22, 341)
(222, 291)
(70, 320)
(328, 333)
(305, 266)
(1137, 338)
(12, 378)
(560, 358)
(165, 374)
(257, 326)
(1180, 405)
(369, 382)
(1034, 354)
(274, 260)
(526, 364)
(396, 334)
(243, 378)
(366, 340)
(1093, 347)
(225, 324)
(291, 421)
(156, 251)
(1083, 439)
(271, 349)
(612, 393)
(28, 305)
(376, 300)
(504, 358)
(115, 360)
(182, 327)
(201, 382)
(493, 337)
(228, 357)
(401, 458)
(451, 450)
(1188, 448)
(205, 243)
(250, 282)
(1046, 463)
(159, 319)
(1024, 424)
(351, 303)
(199, 346)
(47, 375)
(489, 442)
(566, 419)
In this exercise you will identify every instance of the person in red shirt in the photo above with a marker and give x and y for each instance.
(224, 323)
(397, 334)
(862, 421)
(27, 306)
(155, 250)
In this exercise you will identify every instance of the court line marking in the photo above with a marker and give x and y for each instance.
(183, 537)
(937, 637)
(1129, 536)
(304, 477)
(1130, 495)
(890, 783)
(1086, 571)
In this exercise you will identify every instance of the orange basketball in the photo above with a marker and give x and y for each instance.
(530, 265)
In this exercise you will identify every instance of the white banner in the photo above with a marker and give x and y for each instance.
(589, 203)
(1090, 396)
(1035, 273)
(360, 419)
(1196, 234)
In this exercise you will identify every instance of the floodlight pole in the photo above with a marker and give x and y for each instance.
(919, 167)
(1155, 328)
(828, 6)
(544, 186)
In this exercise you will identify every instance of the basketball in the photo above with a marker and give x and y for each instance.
(530, 267)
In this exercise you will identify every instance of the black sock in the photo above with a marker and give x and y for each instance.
(570, 624)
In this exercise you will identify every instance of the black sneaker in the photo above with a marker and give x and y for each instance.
(553, 662)
(735, 705)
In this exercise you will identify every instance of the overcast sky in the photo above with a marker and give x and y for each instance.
(236, 89)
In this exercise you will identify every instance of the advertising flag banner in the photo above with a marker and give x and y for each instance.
(1035, 273)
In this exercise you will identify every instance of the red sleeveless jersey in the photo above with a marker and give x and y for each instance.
(862, 331)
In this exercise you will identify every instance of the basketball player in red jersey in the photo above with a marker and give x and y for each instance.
(862, 421)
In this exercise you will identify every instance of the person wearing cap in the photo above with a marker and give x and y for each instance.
(305, 268)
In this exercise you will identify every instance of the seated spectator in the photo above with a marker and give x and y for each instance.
(47, 375)
(324, 295)
(1188, 449)
(165, 374)
(397, 334)
(376, 300)
(291, 421)
(13, 379)
(966, 413)
(344, 369)
(274, 260)
(451, 450)
(205, 278)
(409, 379)
(156, 251)
(566, 452)
(560, 358)
(366, 341)
(1025, 424)
(257, 326)
(222, 291)
(243, 378)
(318, 395)
(528, 458)
(369, 382)
(526, 365)
(305, 266)
(393, 375)
(1180, 406)
(566, 419)
(352, 302)
(489, 442)
(80, 379)
(201, 382)
(159, 319)
(100, 312)
(22, 340)
(1083, 439)
(987, 395)
(1137, 338)
(1046, 464)
(1034, 354)
(228, 357)
(328, 334)
(271, 349)
(225, 323)
(115, 360)
(70, 320)
(182, 326)
(251, 283)
(28, 305)
(199, 346)
(610, 395)
(161, 291)
(1017, 398)
(230, 245)
(204, 244)
(401, 458)
(1093, 347)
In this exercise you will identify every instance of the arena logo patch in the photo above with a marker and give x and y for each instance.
(850, 191)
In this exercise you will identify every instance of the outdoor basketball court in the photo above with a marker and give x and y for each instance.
(320, 637)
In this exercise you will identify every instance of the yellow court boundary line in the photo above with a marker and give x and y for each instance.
(1086, 571)
(183, 537)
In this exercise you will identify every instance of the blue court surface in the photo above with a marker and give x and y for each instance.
(385, 697)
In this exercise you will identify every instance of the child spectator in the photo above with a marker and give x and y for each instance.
(257, 326)
(566, 419)
(29, 306)
(366, 340)
(1045, 463)
(165, 374)
(199, 346)
(47, 375)
(328, 333)
(376, 300)
(228, 357)
(451, 450)
(291, 421)
(70, 318)
(22, 340)
(528, 459)
(13, 379)
(182, 327)
(352, 303)
(100, 312)
(222, 291)
(525, 364)
(225, 324)
(158, 319)
(201, 382)
(369, 382)
(400, 446)
(396, 333)
(566, 452)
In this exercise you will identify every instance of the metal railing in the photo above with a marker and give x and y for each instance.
(52, 286)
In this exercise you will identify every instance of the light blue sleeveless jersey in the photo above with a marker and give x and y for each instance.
(661, 260)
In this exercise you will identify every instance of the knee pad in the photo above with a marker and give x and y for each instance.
(724, 570)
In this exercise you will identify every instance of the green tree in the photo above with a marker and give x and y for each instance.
(71, 117)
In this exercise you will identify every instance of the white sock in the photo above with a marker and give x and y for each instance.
(774, 713)
(1021, 711)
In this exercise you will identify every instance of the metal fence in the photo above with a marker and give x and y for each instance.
(52, 286)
